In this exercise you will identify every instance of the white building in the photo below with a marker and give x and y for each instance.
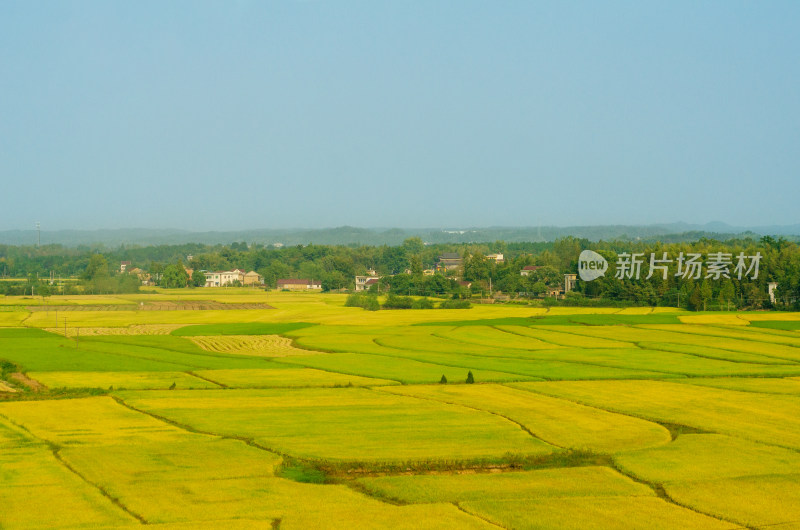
(365, 282)
(569, 282)
(771, 286)
(223, 278)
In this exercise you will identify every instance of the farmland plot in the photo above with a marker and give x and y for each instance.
(559, 422)
(343, 424)
(759, 417)
(674, 420)
(591, 497)
(256, 345)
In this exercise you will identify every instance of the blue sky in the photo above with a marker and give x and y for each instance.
(232, 115)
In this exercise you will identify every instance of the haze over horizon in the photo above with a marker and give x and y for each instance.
(205, 116)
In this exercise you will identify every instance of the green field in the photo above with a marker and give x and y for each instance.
(303, 413)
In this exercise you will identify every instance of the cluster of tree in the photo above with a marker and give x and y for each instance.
(369, 301)
(779, 263)
(98, 278)
(405, 270)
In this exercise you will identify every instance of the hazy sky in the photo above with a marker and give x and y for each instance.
(229, 115)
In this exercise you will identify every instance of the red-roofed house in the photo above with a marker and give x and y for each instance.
(527, 269)
(294, 284)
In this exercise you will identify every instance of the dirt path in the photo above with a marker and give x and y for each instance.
(5, 388)
(23, 379)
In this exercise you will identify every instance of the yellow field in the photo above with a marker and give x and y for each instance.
(287, 377)
(591, 497)
(558, 422)
(13, 318)
(718, 320)
(579, 418)
(120, 380)
(753, 416)
(140, 329)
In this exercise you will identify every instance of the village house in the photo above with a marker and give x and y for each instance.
(554, 292)
(569, 282)
(253, 278)
(294, 284)
(124, 265)
(497, 258)
(223, 278)
(528, 269)
(365, 282)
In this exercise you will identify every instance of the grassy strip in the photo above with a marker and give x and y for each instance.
(509, 462)
(786, 325)
(54, 393)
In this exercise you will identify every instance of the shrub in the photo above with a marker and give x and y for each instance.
(398, 302)
(470, 378)
(443, 380)
(455, 304)
(422, 303)
(370, 303)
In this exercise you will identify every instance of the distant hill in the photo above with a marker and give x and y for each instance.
(349, 235)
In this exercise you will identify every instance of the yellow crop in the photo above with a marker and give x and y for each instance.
(609, 513)
(287, 377)
(225, 434)
(12, 318)
(706, 457)
(119, 380)
(727, 320)
(308, 423)
(757, 501)
(762, 417)
(136, 329)
(556, 421)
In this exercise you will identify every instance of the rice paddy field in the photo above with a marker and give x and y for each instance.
(238, 408)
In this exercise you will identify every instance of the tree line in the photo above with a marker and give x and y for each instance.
(405, 270)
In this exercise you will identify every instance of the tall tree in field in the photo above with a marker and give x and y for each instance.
(198, 278)
(705, 293)
(174, 276)
(727, 293)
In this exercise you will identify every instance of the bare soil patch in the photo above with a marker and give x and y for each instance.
(23, 379)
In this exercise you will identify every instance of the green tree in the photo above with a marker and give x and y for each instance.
(413, 245)
(727, 293)
(174, 276)
(696, 299)
(415, 264)
(198, 278)
(97, 268)
(470, 378)
(705, 293)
